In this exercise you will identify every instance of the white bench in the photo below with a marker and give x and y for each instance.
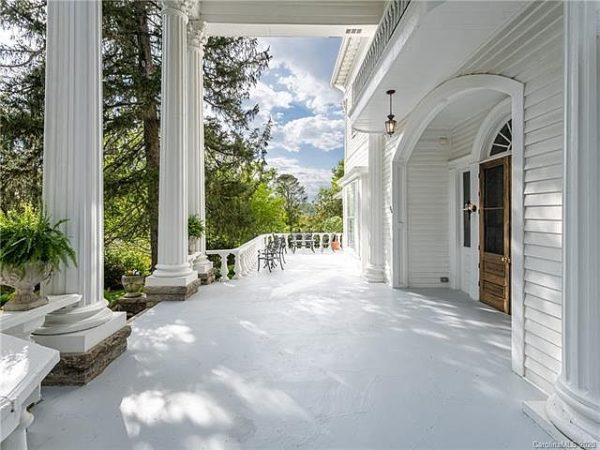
(23, 365)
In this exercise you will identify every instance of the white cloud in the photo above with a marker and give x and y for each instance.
(320, 132)
(311, 178)
(314, 93)
(268, 99)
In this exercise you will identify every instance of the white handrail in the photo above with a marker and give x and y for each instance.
(245, 256)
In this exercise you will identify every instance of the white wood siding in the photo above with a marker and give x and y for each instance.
(427, 173)
(357, 149)
(531, 51)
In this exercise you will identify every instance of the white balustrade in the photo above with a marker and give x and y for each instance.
(245, 256)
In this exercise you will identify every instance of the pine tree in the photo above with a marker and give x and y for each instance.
(294, 198)
(132, 59)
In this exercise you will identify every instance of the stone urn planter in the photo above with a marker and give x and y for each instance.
(133, 284)
(195, 232)
(24, 282)
(32, 247)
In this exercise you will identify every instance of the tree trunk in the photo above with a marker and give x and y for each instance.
(151, 123)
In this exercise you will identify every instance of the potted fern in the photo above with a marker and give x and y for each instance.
(195, 232)
(32, 248)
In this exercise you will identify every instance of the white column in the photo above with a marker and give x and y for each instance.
(374, 270)
(575, 407)
(73, 182)
(196, 181)
(173, 268)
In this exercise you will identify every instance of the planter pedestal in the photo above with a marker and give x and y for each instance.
(13, 305)
(133, 305)
(207, 277)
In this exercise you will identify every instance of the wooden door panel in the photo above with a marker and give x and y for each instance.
(494, 229)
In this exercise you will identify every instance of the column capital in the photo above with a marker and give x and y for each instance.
(182, 7)
(197, 36)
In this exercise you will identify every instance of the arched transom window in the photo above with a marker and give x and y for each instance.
(503, 140)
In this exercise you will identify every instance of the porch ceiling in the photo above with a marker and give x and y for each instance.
(311, 357)
(433, 40)
(291, 17)
(465, 108)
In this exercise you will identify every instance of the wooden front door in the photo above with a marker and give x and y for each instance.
(494, 233)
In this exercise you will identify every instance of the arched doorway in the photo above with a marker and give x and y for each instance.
(462, 174)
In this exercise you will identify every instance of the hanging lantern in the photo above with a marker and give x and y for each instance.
(390, 124)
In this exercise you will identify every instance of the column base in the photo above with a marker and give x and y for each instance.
(536, 411)
(577, 419)
(75, 369)
(81, 341)
(374, 274)
(202, 265)
(163, 277)
(172, 293)
(207, 277)
(133, 305)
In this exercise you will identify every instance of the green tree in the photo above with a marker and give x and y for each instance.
(267, 209)
(132, 59)
(294, 197)
(22, 71)
(328, 210)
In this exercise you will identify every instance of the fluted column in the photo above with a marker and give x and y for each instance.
(575, 406)
(374, 269)
(196, 181)
(72, 176)
(173, 268)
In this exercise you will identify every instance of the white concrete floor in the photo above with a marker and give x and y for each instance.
(312, 357)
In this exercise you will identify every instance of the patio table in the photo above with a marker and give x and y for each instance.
(302, 241)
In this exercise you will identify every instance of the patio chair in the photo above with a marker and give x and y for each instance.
(271, 255)
(309, 241)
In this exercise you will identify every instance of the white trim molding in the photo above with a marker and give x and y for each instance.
(418, 121)
(488, 130)
(353, 174)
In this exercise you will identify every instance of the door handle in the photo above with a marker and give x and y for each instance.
(506, 259)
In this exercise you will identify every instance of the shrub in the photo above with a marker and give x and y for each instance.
(121, 257)
(28, 236)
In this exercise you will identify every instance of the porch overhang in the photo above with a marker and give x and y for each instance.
(291, 18)
(431, 42)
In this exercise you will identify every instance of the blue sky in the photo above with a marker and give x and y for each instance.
(308, 131)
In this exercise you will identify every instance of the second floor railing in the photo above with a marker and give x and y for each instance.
(243, 259)
(388, 24)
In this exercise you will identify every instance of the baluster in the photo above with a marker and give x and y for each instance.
(245, 261)
(224, 266)
(237, 266)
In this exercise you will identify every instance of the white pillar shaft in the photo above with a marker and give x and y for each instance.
(73, 183)
(195, 134)
(173, 268)
(374, 270)
(575, 408)
(196, 180)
